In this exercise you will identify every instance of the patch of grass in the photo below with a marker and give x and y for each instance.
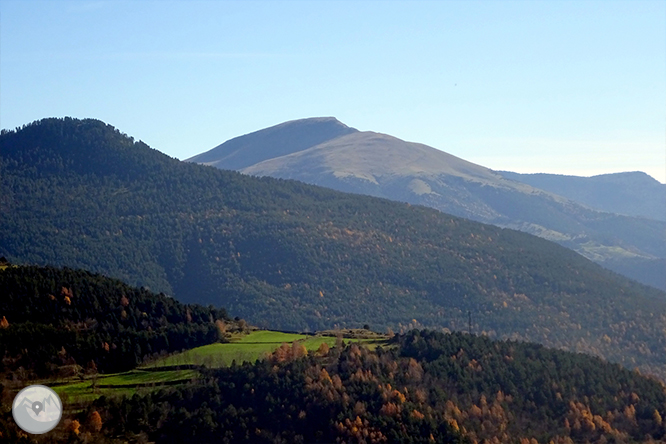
(251, 347)
(82, 392)
(312, 343)
(271, 337)
(77, 392)
(218, 355)
(148, 377)
(247, 348)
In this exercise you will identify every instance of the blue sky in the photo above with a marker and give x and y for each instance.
(567, 87)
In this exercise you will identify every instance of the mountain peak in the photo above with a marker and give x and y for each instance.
(634, 177)
(279, 140)
(329, 119)
(87, 146)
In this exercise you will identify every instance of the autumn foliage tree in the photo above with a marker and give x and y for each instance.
(74, 427)
(95, 421)
(323, 349)
(288, 353)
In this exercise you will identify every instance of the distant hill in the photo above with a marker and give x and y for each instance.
(384, 166)
(61, 319)
(632, 194)
(296, 257)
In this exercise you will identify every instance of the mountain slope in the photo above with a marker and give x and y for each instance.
(283, 139)
(384, 166)
(633, 194)
(293, 256)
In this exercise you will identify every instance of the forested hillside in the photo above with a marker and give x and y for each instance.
(380, 165)
(288, 255)
(429, 387)
(60, 322)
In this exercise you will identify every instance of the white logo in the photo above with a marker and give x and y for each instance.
(37, 409)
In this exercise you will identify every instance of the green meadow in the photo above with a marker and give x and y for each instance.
(241, 348)
(268, 336)
(126, 383)
(247, 348)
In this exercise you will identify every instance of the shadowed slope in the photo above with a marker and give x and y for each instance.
(384, 166)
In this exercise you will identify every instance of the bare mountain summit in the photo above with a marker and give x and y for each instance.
(333, 155)
(385, 166)
(276, 141)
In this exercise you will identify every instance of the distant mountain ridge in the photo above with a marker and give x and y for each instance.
(384, 166)
(632, 193)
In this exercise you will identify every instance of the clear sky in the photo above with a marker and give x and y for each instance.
(567, 87)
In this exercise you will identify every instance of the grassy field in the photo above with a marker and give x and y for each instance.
(272, 337)
(247, 348)
(76, 393)
(242, 348)
(218, 355)
(126, 384)
(137, 377)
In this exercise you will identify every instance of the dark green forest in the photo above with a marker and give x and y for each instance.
(80, 193)
(63, 322)
(426, 387)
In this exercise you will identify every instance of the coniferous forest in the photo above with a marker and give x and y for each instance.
(57, 319)
(419, 387)
(286, 255)
(188, 247)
